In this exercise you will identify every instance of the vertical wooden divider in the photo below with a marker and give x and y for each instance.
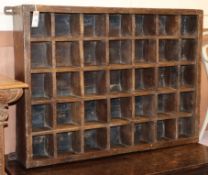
(82, 85)
(27, 78)
(156, 80)
(178, 80)
(133, 79)
(107, 71)
(54, 85)
(198, 73)
(177, 102)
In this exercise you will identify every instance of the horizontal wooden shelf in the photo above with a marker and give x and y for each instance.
(111, 67)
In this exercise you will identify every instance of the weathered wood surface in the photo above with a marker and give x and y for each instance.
(156, 54)
(190, 159)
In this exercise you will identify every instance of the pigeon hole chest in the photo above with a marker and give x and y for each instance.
(105, 81)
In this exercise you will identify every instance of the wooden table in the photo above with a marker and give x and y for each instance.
(191, 159)
(10, 91)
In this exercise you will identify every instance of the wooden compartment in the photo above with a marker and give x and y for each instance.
(168, 77)
(188, 49)
(95, 111)
(166, 130)
(68, 142)
(41, 55)
(94, 82)
(169, 50)
(121, 108)
(67, 54)
(145, 24)
(42, 146)
(68, 113)
(185, 127)
(94, 25)
(145, 78)
(143, 133)
(41, 85)
(68, 84)
(42, 117)
(105, 81)
(67, 25)
(95, 139)
(189, 25)
(145, 51)
(145, 106)
(44, 25)
(120, 52)
(168, 25)
(120, 25)
(187, 101)
(166, 105)
(120, 80)
(120, 136)
(94, 53)
(187, 76)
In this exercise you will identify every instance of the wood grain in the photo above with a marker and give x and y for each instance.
(169, 161)
(8, 83)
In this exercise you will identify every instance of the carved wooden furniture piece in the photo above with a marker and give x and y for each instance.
(10, 91)
(105, 81)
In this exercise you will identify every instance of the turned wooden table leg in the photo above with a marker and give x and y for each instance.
(6, 97)
(2, 160)
(10, 91)
(3, 118)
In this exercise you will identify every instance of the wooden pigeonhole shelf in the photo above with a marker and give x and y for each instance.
(105, 81)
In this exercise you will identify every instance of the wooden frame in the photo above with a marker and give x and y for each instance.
(121, 55)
